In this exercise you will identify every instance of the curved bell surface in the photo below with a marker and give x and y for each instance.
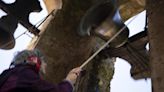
(103, 20)
(8, 24)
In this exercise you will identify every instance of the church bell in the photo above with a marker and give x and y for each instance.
(8, 25)
(103, 20)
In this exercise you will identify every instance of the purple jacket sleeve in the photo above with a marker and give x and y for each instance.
(64, 86)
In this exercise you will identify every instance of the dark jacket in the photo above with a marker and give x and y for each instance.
(24, 78)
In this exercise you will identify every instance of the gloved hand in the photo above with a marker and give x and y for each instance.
(73, 74)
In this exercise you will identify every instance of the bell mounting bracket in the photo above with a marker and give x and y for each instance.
(20, 10)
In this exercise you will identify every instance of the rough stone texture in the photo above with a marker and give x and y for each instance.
(156, 36)
(129, 8)
(98, 76)
(64, 49)
(60, 43)
(105, 74)
(99, 73)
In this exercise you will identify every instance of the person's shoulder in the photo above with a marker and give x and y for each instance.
(27, 71)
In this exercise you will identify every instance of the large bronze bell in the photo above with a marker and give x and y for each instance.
(103, 20)
(8, 24)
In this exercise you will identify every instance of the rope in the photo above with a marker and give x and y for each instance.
(44, 19)
(48, 18)
(103, 46)
(28, 35)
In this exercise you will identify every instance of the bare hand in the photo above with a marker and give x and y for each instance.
(73, 74)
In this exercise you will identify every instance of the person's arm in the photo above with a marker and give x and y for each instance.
(72, 75)
(67, 84)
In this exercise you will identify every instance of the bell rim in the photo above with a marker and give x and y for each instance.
(9, 44)
(83, 31)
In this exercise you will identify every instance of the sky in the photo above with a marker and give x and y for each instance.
(21, 43)
(121, 82)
